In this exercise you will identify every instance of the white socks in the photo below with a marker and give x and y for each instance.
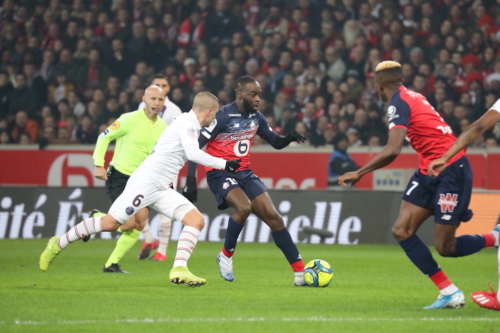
(164, 234)
(147, 233)
(451, 289)
(87, 227)
(185, 246)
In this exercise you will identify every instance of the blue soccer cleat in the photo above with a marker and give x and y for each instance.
(453, 301)
(225, 267)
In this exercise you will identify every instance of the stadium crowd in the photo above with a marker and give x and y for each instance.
(68, 69)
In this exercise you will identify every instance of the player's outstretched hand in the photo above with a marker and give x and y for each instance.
(295, 136)
(232, 166)
(349, 178)
(100, 173)
(436, 167)
(190, 190)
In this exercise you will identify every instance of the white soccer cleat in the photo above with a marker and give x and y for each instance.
(225, 267)
(299, 280)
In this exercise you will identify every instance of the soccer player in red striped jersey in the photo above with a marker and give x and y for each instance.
(485, 299)
(232, 134)
(446, 197)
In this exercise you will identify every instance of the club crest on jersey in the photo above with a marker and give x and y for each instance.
(252, 124)
(193, 132)
(448, 202)
(225, 185)
(115, 125)
(391, 113)
(129, 210)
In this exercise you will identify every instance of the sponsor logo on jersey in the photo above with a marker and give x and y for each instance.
(106, 131)
(193, 132)
(129, 210)
(448, 202)
(225, 185)
(236, 125)
(234, 115)
(115, 125)
(242, 137)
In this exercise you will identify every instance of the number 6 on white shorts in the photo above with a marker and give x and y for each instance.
(415, 184)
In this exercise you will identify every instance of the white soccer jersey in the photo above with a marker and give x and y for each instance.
(496, 106)
(177, 144)
(170, 111)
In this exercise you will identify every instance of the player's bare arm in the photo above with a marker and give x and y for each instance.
(468, 137)
(385, 157)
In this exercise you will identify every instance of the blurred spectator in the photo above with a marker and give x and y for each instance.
(22, 124)
(6, 89)
(23, 98)
(220, 25)
(340, 161)
(91, 75)
(60, 89)
(4, 136)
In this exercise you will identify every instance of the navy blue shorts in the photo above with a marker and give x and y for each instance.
(221, 182)
(447, 195)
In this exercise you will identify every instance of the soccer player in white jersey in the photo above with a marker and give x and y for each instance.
(151, 185)
(485, 299)
(169, 113)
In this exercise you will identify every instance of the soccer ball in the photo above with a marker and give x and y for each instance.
(318, 273)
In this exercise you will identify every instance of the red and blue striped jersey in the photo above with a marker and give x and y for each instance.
(427, 132)
(231, 134)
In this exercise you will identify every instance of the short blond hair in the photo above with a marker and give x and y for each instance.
(388, 64)
(389, 74)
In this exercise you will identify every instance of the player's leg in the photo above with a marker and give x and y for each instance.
(88, 226)
(452, 207)
(228, 193)
(404, 230)
(126, 241)
(164, 229)
(149, 244)
(176, 206)
(263, 207)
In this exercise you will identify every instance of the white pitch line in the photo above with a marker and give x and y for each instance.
(256, 319)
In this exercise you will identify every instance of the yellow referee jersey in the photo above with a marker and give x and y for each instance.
(135, 136)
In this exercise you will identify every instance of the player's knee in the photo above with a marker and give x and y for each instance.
(445, 249)
(401, 233)
(244, 210)
(275, 221)
(109, 223)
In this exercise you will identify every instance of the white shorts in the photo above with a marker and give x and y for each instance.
(142, 192)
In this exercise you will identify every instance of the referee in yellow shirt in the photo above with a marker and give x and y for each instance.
(136, 134)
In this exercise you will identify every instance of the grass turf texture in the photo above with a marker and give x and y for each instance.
(375, 288)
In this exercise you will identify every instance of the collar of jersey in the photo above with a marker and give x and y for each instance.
(143, 114)
(191, 114)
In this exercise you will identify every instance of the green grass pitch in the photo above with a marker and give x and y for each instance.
(375, 289)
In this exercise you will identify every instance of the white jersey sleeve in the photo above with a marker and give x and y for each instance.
(189, 133)
(496, 106)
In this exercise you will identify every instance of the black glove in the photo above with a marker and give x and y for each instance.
(232, 166)
(190, 190)
(295, 136)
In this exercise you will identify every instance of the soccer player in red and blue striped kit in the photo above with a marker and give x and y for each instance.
(232, 134)
(446, 197)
